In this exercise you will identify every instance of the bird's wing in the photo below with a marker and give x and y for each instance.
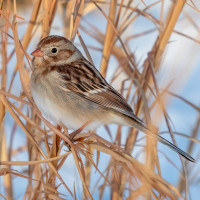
(85, 80)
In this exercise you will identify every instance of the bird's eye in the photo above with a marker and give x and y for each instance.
(54, 50)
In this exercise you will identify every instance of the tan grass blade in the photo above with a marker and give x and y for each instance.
(78, 11)
(4, 156)
(81, 173)
(49, 12)
(28, 34)
(143, 173)
(33, 162)
(68, 10)
(166, 33)
(109, 38)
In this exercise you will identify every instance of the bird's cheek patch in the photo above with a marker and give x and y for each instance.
(64, 54)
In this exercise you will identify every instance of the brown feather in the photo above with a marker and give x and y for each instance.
(83, 78)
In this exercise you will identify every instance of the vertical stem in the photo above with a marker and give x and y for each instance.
(109, 38)
(49, 7)
(3, 147)
(4, 157)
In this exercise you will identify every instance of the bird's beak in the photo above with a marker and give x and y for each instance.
(37, 53)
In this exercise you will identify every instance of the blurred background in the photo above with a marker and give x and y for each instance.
(149, 52)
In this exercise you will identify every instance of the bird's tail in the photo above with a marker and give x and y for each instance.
(144, 129)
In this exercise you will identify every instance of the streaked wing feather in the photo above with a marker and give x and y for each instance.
(79, 78)
(112, 101)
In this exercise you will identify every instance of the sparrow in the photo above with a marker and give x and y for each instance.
(68, 89)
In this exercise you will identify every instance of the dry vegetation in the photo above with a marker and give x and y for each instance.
(124, 176)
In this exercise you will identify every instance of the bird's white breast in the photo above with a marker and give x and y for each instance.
(72, 116)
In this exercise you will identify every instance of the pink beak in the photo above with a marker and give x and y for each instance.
(37, 53)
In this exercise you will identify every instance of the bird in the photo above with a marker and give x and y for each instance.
(68, 89)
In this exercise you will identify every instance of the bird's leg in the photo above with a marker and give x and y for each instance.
(66, 134)
(74, 133)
